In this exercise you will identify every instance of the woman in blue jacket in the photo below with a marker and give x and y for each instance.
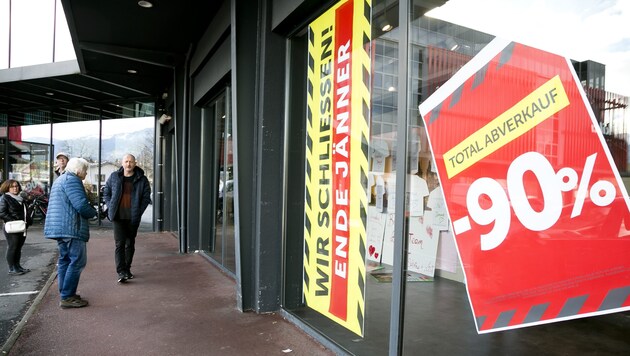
(127, 194)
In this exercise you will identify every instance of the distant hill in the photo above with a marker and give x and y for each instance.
(113, 147)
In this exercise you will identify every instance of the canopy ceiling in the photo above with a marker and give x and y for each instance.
(111, 38)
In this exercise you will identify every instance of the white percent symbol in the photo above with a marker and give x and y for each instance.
(602, 192)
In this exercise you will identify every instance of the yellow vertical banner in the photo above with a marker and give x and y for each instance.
(338, 102)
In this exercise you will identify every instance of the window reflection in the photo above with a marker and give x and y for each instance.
(31, 151)
(28, 164)
(4, 34)
(437, 50)
(24, 14)
(133, 135)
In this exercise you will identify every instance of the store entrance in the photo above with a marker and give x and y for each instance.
(218, 144)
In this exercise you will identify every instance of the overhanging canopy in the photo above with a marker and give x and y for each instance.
(126, 55)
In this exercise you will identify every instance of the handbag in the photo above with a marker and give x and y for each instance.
(12, 227)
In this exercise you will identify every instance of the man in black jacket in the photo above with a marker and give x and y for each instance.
(127, 194)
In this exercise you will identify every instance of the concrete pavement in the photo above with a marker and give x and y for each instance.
(17, 293)
(178, 304)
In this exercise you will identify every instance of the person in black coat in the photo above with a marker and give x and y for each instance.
(13, 207)
(127, 194)
(62, 162)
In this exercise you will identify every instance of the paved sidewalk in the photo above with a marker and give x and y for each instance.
(178, 304)
(17, 293)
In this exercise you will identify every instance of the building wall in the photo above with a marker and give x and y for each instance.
(247, 55)
(251, 55)
(106, 170)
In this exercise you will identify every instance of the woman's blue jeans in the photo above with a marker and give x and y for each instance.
(72, 260)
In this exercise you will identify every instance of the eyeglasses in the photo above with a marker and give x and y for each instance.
(14, 186)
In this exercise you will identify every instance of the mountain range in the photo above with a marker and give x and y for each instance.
(113, 147)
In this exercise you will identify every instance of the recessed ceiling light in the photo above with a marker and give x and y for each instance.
(146, 4)
(49, 93)
(132, 71)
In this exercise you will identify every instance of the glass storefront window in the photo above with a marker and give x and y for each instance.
(64, 50)
(38, 34)
(436, 309)
(4, 34)
(28, 164)
(23, 38)
(218, 140)
(436, 295)
(29, 154)
(79, 139)
(436, 301)
(362, 328)
(133, 135)
(32, 149)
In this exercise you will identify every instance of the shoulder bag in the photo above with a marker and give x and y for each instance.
(16, 226)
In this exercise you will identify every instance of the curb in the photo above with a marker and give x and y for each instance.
(6, 348)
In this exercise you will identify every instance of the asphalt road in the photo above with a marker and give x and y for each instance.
(17, 293)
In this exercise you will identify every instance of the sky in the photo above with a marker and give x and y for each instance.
(578, 29)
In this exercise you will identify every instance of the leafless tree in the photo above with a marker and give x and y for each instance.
(79, 148)
(145, 154)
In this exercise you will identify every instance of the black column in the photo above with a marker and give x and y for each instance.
(258, 65)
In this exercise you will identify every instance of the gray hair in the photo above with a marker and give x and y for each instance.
(77, 165)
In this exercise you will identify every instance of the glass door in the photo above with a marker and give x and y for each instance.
(221, 243)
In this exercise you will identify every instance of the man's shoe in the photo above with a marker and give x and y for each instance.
(73, 302)
(122, 278)
(129, 275)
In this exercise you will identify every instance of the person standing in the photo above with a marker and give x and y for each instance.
(62, 161)
(67, 222)
(127, 194)
(13, 208)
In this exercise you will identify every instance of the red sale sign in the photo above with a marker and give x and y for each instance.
(539, 212)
